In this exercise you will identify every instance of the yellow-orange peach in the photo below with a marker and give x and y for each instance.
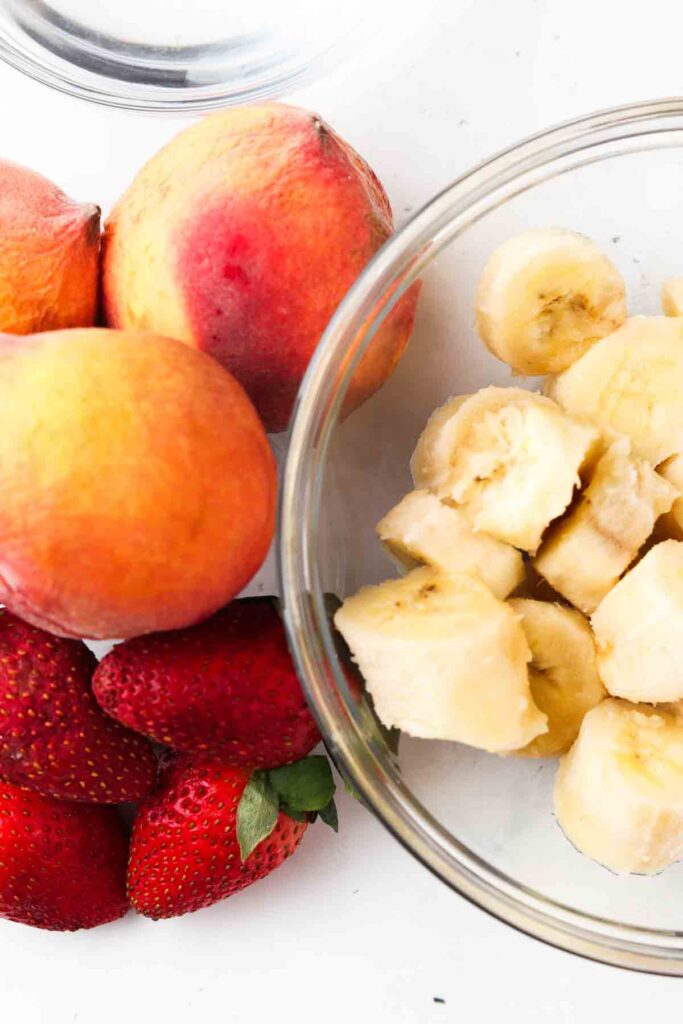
(49, 254)
(138, 486)
(241, 237)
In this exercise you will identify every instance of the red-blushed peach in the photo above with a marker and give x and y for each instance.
(241, 237)
(138, 485)
(49, 255)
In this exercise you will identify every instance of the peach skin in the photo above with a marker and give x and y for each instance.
(138, 483)
(49, 255)
(241, 237)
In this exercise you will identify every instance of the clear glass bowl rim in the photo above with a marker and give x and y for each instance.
(601, 135)
(68, 77)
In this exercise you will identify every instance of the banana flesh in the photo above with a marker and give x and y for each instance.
(638, 628)
(585, 479)
(423, 530)
(535, 587)
(619, 790)
(672, 297)
(631, 382)
(509, 458)
(671, 524)
(585, 553)
(431, 462)
(443, 659)
(563, 672)
(545, 297)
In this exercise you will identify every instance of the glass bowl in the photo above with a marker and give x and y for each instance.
(179, 55)
(483, 824)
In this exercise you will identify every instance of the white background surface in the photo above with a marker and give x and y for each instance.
(352, 927)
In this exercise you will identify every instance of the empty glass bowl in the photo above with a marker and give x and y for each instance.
(482, 823)
(179, 55)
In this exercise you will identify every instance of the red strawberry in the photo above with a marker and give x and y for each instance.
(185, 852)
(62, 865)
(211, 829)
(227, 687)
(54, 737)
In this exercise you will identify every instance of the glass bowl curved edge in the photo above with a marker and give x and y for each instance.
(589, 138)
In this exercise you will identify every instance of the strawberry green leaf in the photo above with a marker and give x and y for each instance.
(329, 815)
(257, 813)
(306, 785)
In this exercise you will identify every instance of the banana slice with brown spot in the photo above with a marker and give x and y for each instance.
(545, 297)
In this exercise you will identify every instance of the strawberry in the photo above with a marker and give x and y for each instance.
(62, 865)
(54, 737)
(211, 829)
(227, 687)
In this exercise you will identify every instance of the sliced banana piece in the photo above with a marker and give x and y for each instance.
(672, 296)
(619, 790)
(422, 529)
(584, 554)
(632, 382)
(639, 629)
(546, 296)
(443, 659)
(563, 672)
(509, 457)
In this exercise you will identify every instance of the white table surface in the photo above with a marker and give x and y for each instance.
(352, 927)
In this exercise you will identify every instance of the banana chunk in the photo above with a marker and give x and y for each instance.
(672, 297)
(509, 457)
(619, 790)
(632, 382)
(545, 297)
(421, 529)
(563, 672)
(585, 553)
(638, 629)
(443, 659)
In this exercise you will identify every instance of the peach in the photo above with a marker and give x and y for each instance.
(241, 237)
(49, 254)
(138, 485)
